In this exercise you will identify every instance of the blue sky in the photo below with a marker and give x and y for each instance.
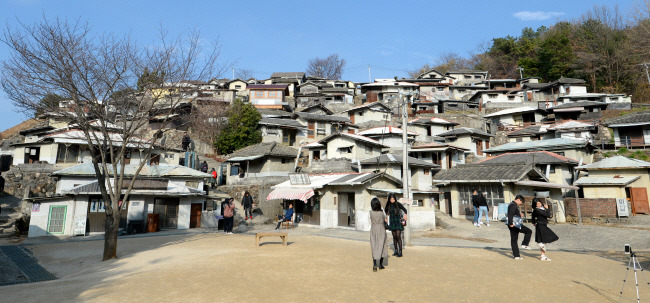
(281, 36)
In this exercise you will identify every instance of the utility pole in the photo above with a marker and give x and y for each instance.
(369, 78)
(521, 74)
(233, 74)
(407, 196)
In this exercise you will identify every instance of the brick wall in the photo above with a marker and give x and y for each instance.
(604, 207)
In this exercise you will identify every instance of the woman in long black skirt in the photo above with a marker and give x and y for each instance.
(393, 210)
(543, 234)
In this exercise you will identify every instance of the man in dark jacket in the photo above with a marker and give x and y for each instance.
(247, 202)
(185, 144)
(475, 204)
(287, 216)
(513, 210)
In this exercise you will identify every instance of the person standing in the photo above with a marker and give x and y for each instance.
(213, 180)
(247, 202)
(185, 143)
(393, 210)
(543, 234)
(475, 205)
(483, 209)
(229, 216)
(378, 244)
(204, 167)
(287, 216)
(513, 211)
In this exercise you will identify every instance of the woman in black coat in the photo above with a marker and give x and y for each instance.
(543, 234)
(393, 210)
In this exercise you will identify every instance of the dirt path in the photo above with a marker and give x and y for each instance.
(220, 268)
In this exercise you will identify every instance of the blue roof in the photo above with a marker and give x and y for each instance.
(550, 144)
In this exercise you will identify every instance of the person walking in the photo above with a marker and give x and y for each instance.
(543, 234)
(287, 216)
(378, 243)
(517, 227)
(213, 180)
(483, 209)
(247, 202)
(475, 205)
(395, 225)
(229, 216)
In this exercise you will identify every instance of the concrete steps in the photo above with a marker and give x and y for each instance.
(11, 212)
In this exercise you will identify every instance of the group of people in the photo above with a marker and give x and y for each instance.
(393, 218)
(543, 234)
(229, 211)
(480, 207)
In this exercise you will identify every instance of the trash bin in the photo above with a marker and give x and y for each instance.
(153, 223)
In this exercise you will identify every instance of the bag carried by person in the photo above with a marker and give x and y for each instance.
(516, 221)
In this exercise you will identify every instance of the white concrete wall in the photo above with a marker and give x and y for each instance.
(329, 218)
(137, 206)
(39, 220)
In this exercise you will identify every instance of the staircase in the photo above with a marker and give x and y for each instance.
(11, 212)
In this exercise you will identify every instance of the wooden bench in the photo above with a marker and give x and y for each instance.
(282, 235)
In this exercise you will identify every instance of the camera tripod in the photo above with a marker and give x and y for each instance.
(634, 261)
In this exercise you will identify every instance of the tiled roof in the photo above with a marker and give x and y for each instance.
(273, 112)
(510, 111)
(488, 173)
(281, 122)
(616, 162)
(319, 106)
(538, 157)
(535, 85)
(162, 170)
(268, 86)
(288, 75)
(368, 105)
(563, 80)
(633, 119)
(550, 144)
(353, 137)
(531, 130)
(397, 159)
(464, 131)
(266, 149)
(317, 117)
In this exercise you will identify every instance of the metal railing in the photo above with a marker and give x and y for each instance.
(522, 125)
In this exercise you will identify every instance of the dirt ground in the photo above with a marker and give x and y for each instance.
(215, 267)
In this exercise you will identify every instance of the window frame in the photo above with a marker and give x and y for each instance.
(49, 219)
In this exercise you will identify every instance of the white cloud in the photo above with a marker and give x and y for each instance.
(536, 16)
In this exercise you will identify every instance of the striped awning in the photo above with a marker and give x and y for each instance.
(291, 194)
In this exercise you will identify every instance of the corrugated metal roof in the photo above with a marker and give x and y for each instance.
(397, 159)
(464, 131)
(537, 157)
(385, 130)
(594, 181)
(630, 120)
(281, 122)
(616, 162)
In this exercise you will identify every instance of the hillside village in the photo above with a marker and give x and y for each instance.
(329, 146)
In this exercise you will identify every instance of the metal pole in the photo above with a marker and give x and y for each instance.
(578, 206)
(405, 168)
(369, 78)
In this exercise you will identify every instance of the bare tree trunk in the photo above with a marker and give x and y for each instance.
(110, 236)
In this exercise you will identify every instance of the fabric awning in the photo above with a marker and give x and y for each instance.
(291, 194)
(544, 184)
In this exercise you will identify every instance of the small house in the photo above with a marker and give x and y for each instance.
(262, 160)
(269, 96)
(369, 112)
(471, 138)
(430, 128)
(443, 154)
(632, 130)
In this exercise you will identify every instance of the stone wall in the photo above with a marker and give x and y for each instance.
(31, 180)
(602, 207)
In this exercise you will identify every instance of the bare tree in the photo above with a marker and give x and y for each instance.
(328, 68)
(208, 119)
(99, 75)
(243, 73)
(443, 64)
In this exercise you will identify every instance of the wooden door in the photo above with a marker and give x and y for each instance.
(311, 129)
(352, 117)
(448, 203)
(195, 215)
(639, 197)
(343, 209)
(479, 147)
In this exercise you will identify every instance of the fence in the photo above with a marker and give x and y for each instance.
(522, 125)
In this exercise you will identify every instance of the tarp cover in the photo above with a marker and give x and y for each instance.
(291, 194)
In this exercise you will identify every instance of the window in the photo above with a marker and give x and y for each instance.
(345, 150)
(577, 134)
(368, 149)
(520, 139)
(560, 153)
(237, 86)
(493, 96)
(273, 94)
(56, 222)
(192, 184)
(320, 128)
(272, 131)
(234, 170)
(511, 97)
(284, 160)
(360, 114)
(440, 89)
(259, 94)
(426, 172)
